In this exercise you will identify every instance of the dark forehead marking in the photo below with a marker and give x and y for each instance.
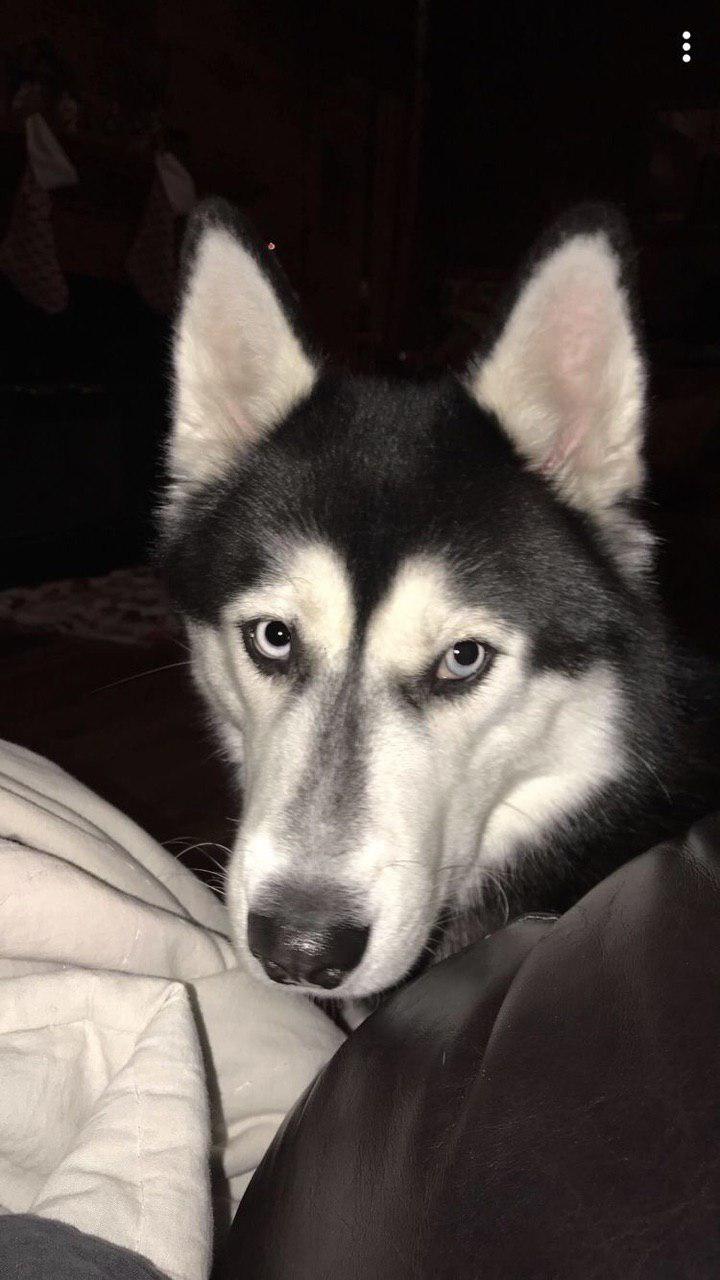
(381, 471)
(377, 469)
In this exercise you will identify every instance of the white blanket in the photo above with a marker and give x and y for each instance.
(121, 1011)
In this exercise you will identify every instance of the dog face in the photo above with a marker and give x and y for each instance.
(409, 606)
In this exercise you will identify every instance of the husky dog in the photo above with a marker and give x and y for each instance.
(422, 614)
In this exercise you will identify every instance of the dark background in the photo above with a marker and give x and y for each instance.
(402, 156)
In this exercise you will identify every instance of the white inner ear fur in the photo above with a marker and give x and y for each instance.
(239, 368)
(567, 381)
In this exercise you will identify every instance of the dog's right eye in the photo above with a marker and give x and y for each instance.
(272, 639)
(269, 642)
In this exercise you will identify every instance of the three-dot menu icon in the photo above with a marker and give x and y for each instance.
(687, 55)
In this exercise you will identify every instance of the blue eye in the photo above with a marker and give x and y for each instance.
(272, 639)
(462, 660)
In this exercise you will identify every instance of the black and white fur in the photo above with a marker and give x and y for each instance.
(383, 523)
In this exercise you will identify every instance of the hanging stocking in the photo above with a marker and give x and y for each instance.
(28, 256)
(151, 260)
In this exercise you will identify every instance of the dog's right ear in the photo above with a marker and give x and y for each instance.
(239, 362)
(566, 377)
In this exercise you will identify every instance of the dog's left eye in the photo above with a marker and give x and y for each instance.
(272, 639)
(463, 659)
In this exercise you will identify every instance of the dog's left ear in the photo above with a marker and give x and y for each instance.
(565, 377)
(240, 364)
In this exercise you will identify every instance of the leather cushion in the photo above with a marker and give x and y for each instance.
(544, 1104)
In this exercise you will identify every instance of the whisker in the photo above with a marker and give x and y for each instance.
(221, 866)
(213, 877)
(205, 844)
(139, 675)
(651, 770)
(516, 809)
(497, 882)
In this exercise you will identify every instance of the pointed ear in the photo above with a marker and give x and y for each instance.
(565, 377)
(239, 362)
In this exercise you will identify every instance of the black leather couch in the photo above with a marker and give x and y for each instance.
(545, 1105)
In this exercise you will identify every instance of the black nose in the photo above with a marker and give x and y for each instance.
(314, 955)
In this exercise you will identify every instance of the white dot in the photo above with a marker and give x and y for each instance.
(686, 35)
(686, 47)
(686, 57)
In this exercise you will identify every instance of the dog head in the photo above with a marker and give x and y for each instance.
(410, 606)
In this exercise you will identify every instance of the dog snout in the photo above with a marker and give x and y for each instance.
(307, 953)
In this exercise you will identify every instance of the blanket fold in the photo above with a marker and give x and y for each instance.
(133, 1050)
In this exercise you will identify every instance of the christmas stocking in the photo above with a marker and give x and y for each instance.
(151, 260)
(28, 255)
